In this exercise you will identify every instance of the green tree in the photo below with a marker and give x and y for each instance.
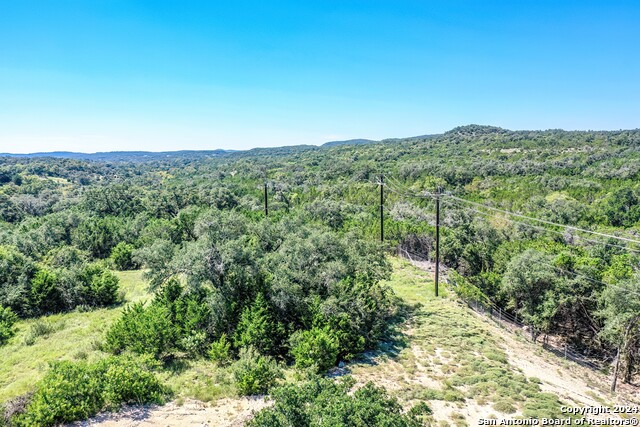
(621, 313)
(326, 402)
(257, 328)
(316, 348)
(529, 281)
(255, 373)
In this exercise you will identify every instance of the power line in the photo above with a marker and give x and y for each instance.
(544, 229)
(543, 221)
(609, 285)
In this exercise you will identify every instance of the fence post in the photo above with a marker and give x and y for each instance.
(565, 350)
(499, 314)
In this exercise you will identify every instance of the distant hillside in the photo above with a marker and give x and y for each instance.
(348, 142)
(126, 156)
(476, 130)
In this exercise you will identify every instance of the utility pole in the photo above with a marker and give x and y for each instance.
(266, 200)
(381, 208)
(437, 276)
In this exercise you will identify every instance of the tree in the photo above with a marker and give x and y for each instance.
(316, 348)
(326, 402)
(7, 320)
(622, 207)
(621, 314)
(257, 328)
(529, 281)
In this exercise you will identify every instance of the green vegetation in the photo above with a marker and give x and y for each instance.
(324, 402)
(316, 348)
(255, 373)
(73, 391)
(454, 347)
(80, 338)
(7, 320)
(306, 285)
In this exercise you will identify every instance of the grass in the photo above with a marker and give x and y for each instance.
(452, 347)
(25, 359)
(78, 335)
(200, 379)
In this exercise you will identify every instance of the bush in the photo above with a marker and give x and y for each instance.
(72, 391)
(254, 373)
(322, 401)
(130, 381)
(257, 329)
(68, 392)
(122, 256)
(219, 351)
(194, 344)
(45, 294)
(143, 330)
(7, 321)
(104, 289)
(316, 347)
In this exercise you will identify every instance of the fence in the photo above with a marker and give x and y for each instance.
(501, 316)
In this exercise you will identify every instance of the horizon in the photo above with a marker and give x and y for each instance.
(306, 145)
(161, 76)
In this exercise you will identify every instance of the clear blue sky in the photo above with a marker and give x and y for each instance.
(98, 75)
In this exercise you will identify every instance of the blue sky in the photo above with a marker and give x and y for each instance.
(105, 75)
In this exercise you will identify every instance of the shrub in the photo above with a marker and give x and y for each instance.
(122, 256)
(194, 344)
(72, 391)
(129, 381)
(7, 321)
(322, 401)
(254, 373)
(257, 329)
(219, 351)
(104, 288)
(100, 286)
(45, 294)
(315, 347)
(143, 330)
(505, 407)
(68, 392)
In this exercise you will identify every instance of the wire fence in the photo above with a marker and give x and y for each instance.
(502, 316)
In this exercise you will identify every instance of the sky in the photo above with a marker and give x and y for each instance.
(107, 75)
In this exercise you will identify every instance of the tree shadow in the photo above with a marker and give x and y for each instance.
(394, 341)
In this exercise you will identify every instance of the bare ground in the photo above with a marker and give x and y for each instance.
(222, 413)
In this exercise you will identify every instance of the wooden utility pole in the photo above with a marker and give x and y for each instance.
(266, 201)
(437, 275)
(381, 208)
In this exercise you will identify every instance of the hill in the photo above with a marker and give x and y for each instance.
(348, 142)
(125, 156)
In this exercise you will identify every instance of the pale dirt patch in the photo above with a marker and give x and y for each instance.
(221, 413)
(570, 381)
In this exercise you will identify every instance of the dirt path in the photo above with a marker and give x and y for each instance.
(568, 380)
(437, 367)
(222, 413)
